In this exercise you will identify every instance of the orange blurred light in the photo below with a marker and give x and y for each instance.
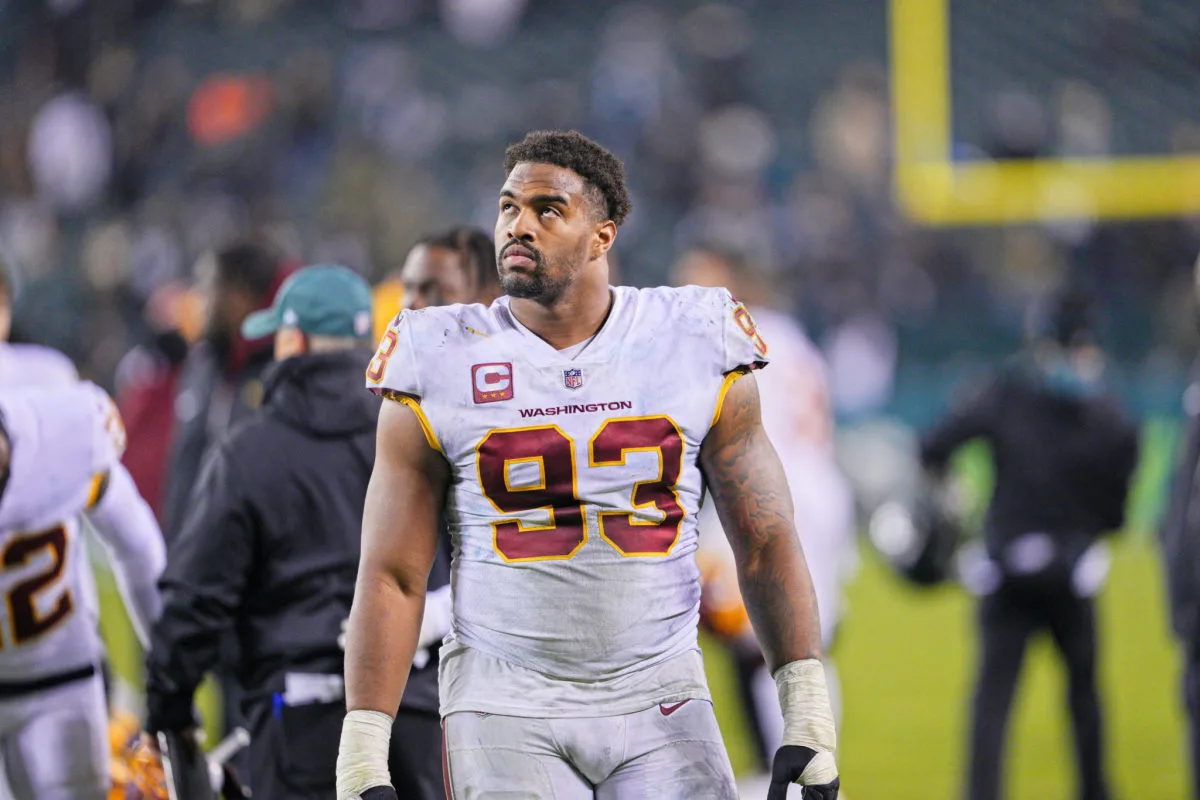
(226, 107)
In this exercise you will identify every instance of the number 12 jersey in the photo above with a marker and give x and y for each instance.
(575, 484)
(64, 442)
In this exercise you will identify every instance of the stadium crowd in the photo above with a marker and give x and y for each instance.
(139, 136)
(166, 166)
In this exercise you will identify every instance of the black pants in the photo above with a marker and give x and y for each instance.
(1007, 619)
(747, 662)
(232, 715)
(1191, 690)
(293, 752)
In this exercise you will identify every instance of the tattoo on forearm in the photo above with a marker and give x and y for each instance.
(750, 490)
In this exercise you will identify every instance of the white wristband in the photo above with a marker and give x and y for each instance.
(808, 717)
(362, 760)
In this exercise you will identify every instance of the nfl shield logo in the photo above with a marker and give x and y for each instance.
(572, 378)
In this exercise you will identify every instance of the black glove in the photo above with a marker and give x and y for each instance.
(170, 712)
(232, 787)
(790, 761)
(380, 793)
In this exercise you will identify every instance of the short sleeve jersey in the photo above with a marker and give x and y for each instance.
(64, 441)
(574, 492)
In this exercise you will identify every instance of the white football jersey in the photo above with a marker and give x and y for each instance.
(64, 441)
(574, 493)
(34, 365)
(796, 407)
(798, 419)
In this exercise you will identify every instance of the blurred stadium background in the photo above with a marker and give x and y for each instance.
(915, 174)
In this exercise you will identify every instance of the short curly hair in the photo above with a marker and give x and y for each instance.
(602, 172)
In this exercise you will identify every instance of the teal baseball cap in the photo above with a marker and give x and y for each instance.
(321, 300)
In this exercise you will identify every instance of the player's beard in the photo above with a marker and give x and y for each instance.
(546, 282)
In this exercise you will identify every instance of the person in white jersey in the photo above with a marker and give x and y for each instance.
(569, 433)
(798, 417)
(60, 450)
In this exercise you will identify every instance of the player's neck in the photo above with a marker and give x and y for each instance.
(570, 319)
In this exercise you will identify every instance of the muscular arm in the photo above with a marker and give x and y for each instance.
(126, 526)
(400, 537)
(752, 499)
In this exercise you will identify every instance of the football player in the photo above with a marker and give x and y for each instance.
(798, 419)
(456, 266)
(569, 432)
(61, 449)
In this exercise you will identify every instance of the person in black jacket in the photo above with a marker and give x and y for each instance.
(219, 384)
(1181, 551)
(270, 547)
(221, 379)
(1064, 453)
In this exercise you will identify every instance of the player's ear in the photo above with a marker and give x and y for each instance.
(603, 236)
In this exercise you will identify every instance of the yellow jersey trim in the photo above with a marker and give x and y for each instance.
(96, 489)
(730, 377)
(415, 405)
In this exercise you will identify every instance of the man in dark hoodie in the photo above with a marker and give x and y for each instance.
(1064, 452)
(270, 545)
(1181, 548)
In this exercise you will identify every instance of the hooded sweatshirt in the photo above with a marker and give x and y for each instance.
(271, 539)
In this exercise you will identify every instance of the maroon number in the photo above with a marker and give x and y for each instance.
(378, 364)
(26, 622)
(631, 533)
(744, 321)
(554, 453)
(651, 528)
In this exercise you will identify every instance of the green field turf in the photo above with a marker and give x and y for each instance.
(906, 659)
(125, 654)
(906, 662)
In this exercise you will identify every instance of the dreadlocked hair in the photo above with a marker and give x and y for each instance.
(476, 248)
